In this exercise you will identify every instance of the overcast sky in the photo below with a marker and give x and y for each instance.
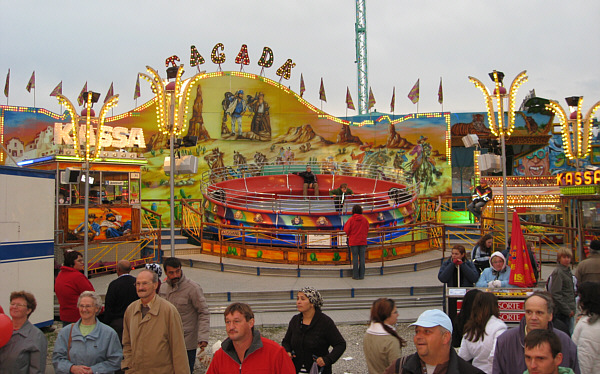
(557, 42)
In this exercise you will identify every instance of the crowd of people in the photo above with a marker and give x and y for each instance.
(144, 329)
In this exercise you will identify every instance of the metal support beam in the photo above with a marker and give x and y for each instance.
(361, 56)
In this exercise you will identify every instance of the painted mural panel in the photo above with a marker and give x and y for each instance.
(244, 118)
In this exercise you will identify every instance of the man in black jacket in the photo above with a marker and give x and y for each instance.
(310, 181)
(433, 340)
(121, 292)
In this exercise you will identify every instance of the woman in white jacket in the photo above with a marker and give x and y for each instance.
(587, 331)
(481, 332)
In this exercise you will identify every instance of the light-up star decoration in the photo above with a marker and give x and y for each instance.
(576, 129)
(497, 125)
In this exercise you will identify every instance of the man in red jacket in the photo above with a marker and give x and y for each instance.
(357, 228)
(245, 351)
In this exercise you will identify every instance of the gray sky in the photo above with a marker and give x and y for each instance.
(111, 41)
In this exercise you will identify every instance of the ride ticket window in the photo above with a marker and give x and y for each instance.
(116, 187)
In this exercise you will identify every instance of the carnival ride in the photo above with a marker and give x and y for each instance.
(271, 197)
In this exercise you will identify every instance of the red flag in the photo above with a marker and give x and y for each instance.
(413, 95)
(371, 99)
(393, 103)
(349, 102)
(322, 96)
(110, 92)
(80, 97)
(440, 93)
(302, 86)
(521, 271)
(57, 90)
(7, 83)
(31, 83)
(137, 92)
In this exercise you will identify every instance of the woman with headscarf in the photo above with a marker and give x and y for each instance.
(87, 346)
(25, 352)
(497, 275)
(69, 284)
(311, 333)
(382, 344)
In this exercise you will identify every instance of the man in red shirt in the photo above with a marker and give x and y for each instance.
(357, 228)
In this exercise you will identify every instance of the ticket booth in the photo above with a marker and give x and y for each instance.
(114, 197)
(580, 198)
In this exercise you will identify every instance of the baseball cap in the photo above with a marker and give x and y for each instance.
(432, 318)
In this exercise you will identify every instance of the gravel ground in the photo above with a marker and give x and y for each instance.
(351, 362)
(353, 359)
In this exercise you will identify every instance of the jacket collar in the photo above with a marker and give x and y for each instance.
(229, 349)
(181, 280)
(376, 328)
(414, 363)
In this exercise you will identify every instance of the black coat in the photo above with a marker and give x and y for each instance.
(448, 273)
(315, 339)
(121, 292)
(457, 365)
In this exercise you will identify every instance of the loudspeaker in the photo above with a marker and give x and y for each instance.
(70, 176)
(470, 140)
(490, 161)
(185, 165)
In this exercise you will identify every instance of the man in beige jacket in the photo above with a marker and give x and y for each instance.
(152, 332)
(188, 298)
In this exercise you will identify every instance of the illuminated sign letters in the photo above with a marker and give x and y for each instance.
(118, 137)
(578, 178)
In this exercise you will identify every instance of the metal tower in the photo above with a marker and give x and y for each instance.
(361, 56)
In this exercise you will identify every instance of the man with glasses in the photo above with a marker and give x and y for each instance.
(152, 332)
(536, 163)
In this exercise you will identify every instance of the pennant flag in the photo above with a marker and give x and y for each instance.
(57, 90)
(349, 102)
(110, 93)
(371, 99)
(440, 93)
(302, 86)
(393, 103)
(31, 83)
(322, 96)
(7, 83)
(80, 97)
(521, 270)
(413, 95)
(137, 92)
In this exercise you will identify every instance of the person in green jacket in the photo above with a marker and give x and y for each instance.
(543, 353)
(339, 196)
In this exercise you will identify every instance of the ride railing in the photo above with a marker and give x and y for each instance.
(303, 247)
(284, 200)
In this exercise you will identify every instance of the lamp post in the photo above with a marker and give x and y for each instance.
(501, 126)
(87, 153)
(576, 141)
(171, 109)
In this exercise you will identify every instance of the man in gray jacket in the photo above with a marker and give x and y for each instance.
(509, 356)
(188, 298)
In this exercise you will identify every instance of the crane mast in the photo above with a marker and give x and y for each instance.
(361, 56)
